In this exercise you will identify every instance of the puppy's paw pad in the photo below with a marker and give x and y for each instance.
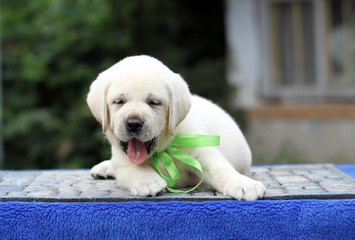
(248, 190)
(148, 188)
(253, 191)
(103, 170)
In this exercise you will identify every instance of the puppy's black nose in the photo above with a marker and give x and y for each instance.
(134, 124)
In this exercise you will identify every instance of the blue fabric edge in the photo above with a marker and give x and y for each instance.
(347, 168)
(292, 219)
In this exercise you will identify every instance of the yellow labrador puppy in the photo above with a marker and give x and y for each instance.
(141, 104)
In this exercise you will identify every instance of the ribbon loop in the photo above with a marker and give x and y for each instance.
(169, 166)
(182, 140)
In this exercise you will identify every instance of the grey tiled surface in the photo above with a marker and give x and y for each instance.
(319, 181)
(322, 181)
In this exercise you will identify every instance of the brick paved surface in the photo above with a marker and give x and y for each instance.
(320, 181)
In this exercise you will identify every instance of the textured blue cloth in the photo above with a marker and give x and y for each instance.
(289, 219)
(298, 219)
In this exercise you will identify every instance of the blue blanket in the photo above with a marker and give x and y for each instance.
(283, 219)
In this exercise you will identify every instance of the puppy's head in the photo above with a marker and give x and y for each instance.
(138, 101)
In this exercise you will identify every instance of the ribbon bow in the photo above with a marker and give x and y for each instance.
(182, 140)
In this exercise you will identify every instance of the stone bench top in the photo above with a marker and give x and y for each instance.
(314, 181)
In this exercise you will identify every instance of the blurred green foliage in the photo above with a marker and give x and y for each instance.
(53, 50)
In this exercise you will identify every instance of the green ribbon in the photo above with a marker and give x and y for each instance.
(182, 140)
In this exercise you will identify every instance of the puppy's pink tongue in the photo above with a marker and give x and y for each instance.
(136, 151)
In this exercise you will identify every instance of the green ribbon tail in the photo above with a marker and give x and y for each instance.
(188, 160)
(169, 166)
(182, 140)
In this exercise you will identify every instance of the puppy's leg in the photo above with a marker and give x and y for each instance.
(220, 174)
(103, 170)
(141, 180)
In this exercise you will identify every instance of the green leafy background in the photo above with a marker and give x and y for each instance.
(53, 50)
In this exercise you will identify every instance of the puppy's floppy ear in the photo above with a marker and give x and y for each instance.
(179, 102)
(96, 100)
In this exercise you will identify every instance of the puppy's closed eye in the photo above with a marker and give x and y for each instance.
(119, 101)
(154, 102)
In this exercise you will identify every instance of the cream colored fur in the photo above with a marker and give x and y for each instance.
(139, 79)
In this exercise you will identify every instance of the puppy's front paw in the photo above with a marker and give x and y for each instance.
(148, 186)
(244, 188)
(103, 170)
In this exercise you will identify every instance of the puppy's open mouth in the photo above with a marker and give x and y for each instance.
(136, 150)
